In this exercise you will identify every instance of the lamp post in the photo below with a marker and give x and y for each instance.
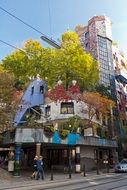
(97, 157)
(69, 162)
(50, 41)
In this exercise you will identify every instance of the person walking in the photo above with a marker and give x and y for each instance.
(40, 169)
(34, 174)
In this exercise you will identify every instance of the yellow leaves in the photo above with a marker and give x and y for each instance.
(70, 38)
(1, 69)
(32, 45)
(67, 63)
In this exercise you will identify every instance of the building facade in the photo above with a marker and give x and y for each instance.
(120, 68)
(81, 148)
(96, 38)
(76, 147)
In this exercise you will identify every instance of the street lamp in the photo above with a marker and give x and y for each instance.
(50, 41)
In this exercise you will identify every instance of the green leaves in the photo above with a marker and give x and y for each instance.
(67, 63)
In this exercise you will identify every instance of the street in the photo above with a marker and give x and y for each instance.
(91, 182)
(118, 182)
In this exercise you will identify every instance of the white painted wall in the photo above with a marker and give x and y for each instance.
(55, 113)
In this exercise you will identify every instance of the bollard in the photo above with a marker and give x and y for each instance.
(97, 159)
(69, 162)
(98, 167)
(106, 163)
(69, 171)
(108, 167)
(51, 173)
(84, 170)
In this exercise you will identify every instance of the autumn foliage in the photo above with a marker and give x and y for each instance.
(96, 102)
(8, 100)
(61, 94)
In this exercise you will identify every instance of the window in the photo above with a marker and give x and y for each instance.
(122, 63)
(116, 59)
(87, 45)
(32, 90)
(97, 115)
(103, 120)
(47, 111)
(67, 108)
(114, 56)
(41, 89)
(86, 34)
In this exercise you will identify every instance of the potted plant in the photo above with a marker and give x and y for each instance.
(49, 131)
(63, 133)
(17, 167)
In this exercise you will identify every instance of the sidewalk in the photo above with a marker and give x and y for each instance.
(7, 181)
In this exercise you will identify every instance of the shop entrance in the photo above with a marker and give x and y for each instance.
(59, 157)
(55, 155)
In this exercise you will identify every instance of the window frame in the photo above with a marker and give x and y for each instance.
(67, 106)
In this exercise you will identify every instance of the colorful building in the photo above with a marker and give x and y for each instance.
(60, 142)
(52, 109)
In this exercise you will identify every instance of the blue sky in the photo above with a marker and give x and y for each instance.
(64, 14)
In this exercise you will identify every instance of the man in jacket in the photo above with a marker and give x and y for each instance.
(40, 168)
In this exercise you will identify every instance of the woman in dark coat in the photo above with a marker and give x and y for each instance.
(34, 174)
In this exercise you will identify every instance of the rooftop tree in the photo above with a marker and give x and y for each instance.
(68, 63)
(73, 63)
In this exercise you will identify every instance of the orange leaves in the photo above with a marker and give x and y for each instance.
(98, 102)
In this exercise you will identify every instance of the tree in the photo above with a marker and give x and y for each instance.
(75, 63)
(103, 90)
(96, 104)
(115, 43)
(67, 63)
(1, 68)
(7, 100)
(27, 62)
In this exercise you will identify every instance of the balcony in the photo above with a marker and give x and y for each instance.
(28, 135)
(95, 141)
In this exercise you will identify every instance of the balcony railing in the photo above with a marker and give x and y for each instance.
(27, 135)
(95, 141)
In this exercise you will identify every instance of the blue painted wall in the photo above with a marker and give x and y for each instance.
(33, 96)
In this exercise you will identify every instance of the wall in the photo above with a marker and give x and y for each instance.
(87, 158)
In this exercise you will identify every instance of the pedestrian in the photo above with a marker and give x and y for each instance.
(34, 174)
(40, 169)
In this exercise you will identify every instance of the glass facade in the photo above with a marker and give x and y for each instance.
(105, 59)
